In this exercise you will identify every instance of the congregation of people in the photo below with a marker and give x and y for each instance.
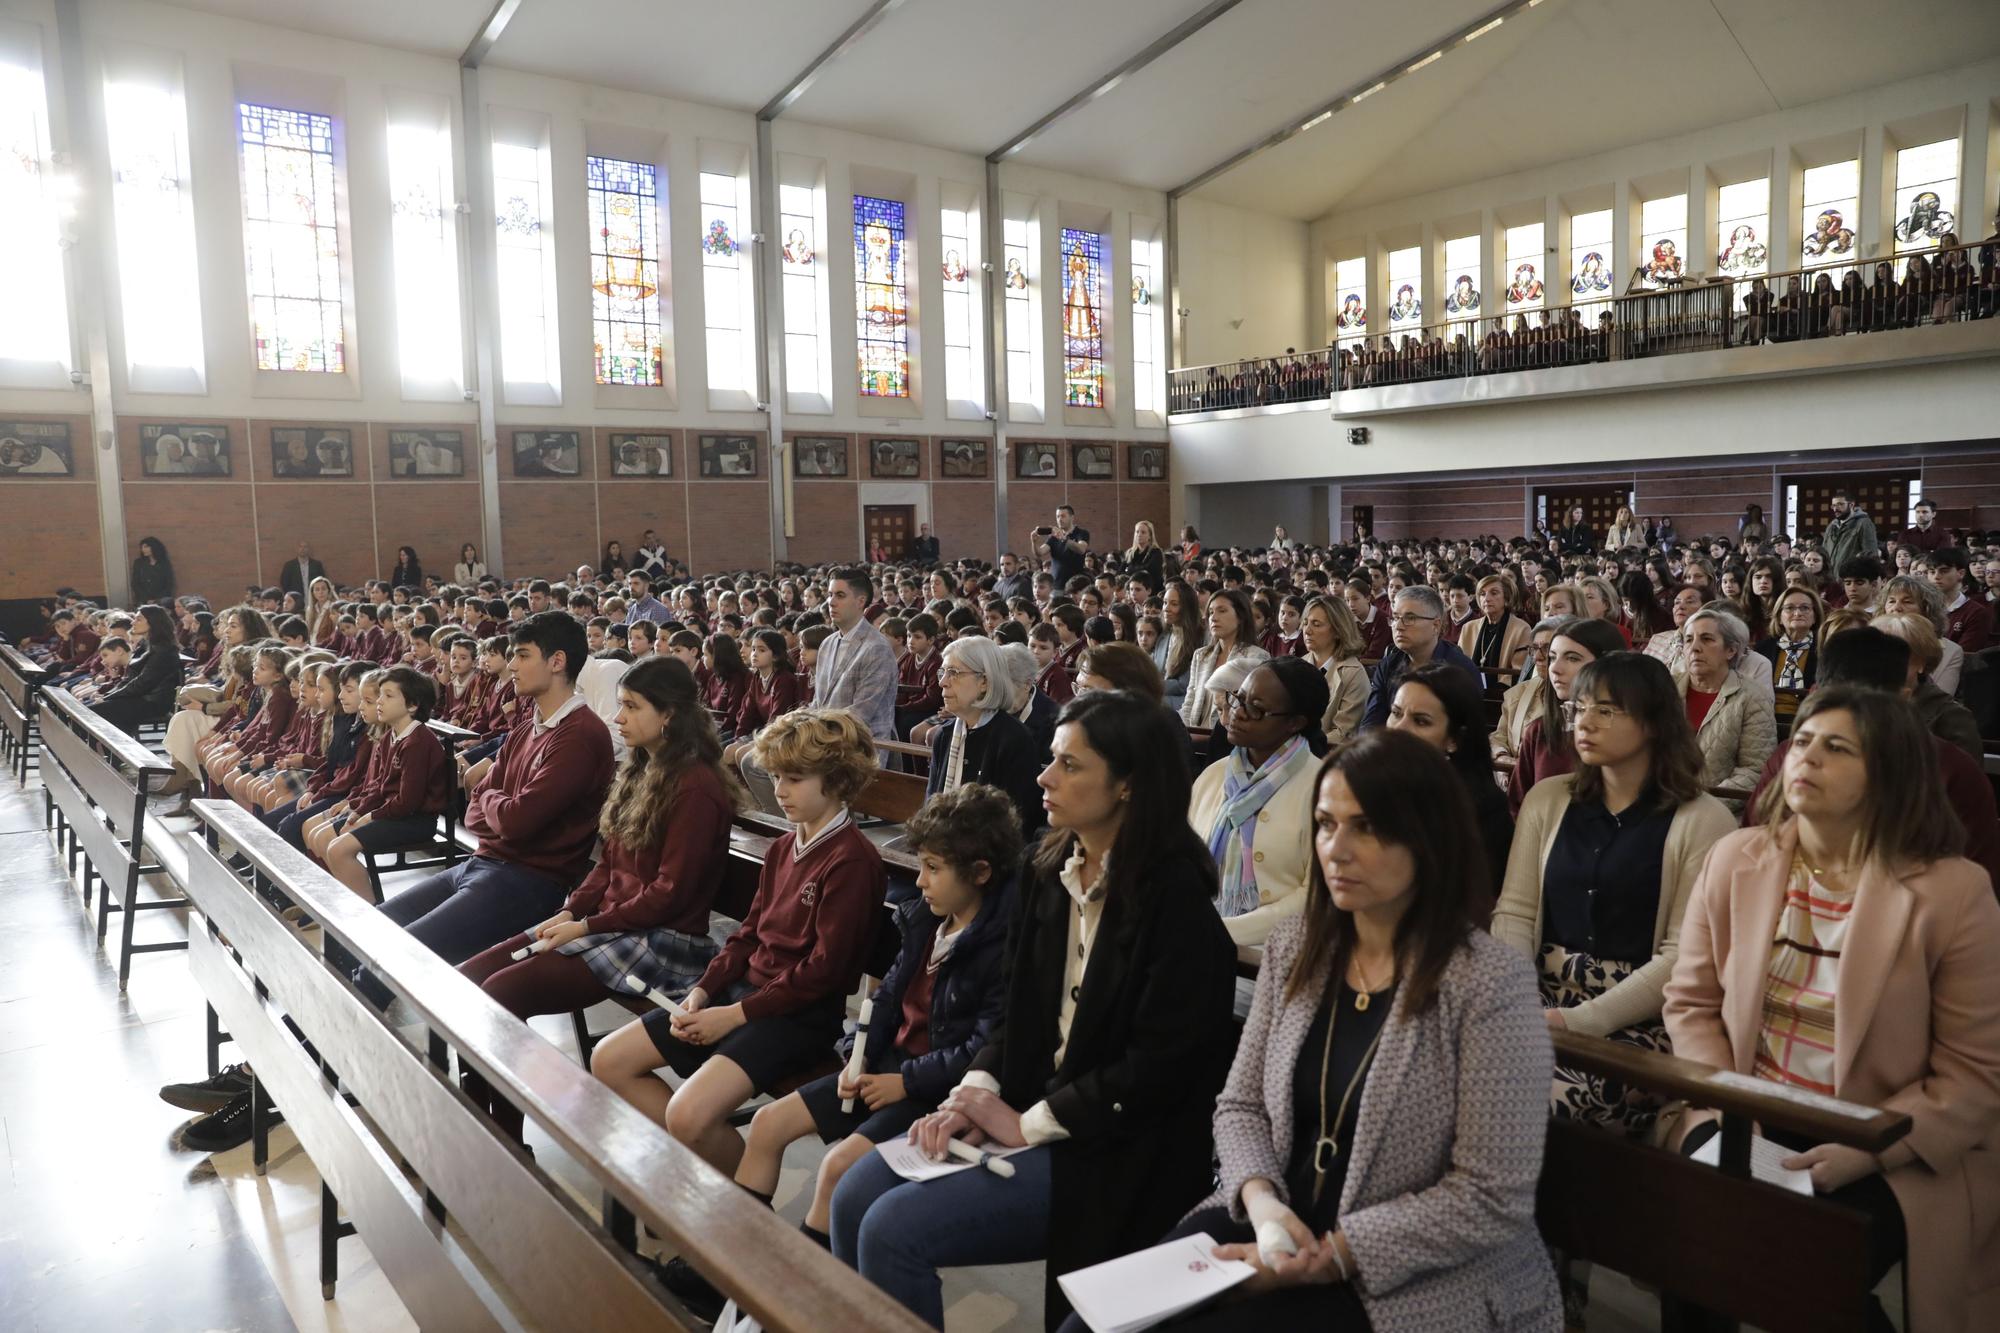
(1721, 797)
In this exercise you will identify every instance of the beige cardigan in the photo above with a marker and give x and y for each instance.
(1517, 917)
(1283, 856)
(1347, 695)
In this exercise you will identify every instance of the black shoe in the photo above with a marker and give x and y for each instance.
(695, 1291)
(211, 1094)
(227, 1128)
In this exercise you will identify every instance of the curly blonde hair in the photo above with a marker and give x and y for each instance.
(827, 743)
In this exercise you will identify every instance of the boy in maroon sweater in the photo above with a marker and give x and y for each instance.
(770, 1004)
(399, 806)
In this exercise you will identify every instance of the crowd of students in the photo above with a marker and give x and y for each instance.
(1709, 759)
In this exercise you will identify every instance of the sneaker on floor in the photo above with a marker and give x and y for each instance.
(695, 1291)
(211, 1094)
(225, 1129)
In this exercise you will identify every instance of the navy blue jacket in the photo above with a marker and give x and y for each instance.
(1395, 665)
(968, 996)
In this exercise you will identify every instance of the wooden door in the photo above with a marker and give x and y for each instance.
(890, 527)
(1364, 522)
(1600, 505)
(1883, 496)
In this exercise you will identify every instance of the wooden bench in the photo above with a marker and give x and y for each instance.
(400, 1148)
(20, 687)
(444, 847)
(95, 782)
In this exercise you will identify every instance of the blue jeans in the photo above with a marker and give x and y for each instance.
(898, 1233)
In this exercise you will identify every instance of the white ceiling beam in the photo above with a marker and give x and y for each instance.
(483, 41)
(856, 30)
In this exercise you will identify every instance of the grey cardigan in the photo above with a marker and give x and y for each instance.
(1439, 1204)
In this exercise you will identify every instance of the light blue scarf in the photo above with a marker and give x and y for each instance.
(1244, 794)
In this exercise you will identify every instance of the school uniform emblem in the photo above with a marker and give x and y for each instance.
(810, 893)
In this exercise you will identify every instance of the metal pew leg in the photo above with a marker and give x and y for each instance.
(331, 1232)
(125, 927)
(260, 1126)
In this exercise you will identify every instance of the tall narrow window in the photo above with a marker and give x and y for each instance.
(726, 298)
(429, 336)
(1023, 346)
(1926, 196)
(1832, 213)
(291, 240)
(1406, 289)
(1350, 285)
(1590, 268)
(1146, 328)
(525, 292)
(158, 285)
(625, 271)
(1663, 237)
(1083, 317)
(1524, 268)
(1742, 222)
(881, 299)
(1461, 276)
(798, 219)
(961, 380)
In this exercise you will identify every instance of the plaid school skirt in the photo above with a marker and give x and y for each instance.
(292, 781)
(663, 959)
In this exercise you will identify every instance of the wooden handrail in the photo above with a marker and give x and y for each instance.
(142, 762)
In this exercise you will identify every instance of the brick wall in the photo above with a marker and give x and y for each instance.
(48, 524)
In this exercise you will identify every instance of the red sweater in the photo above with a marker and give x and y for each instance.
(302, 737)
(917, 688)
(762, 703)
(342, 781)
(724, 695)
(672, 883)
(273, 720)
(411, 780)
(538, 806)
(1056, 682)
(810, 927)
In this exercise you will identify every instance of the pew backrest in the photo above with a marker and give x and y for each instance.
(20, 684)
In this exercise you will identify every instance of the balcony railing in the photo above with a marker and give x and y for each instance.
(1939, 286)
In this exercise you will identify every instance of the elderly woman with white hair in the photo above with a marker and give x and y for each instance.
(980, 739)
(1911, 596)
(1035, 710)
(1734, 722)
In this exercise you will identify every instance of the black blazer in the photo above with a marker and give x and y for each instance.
(1147, 561)
(153, 679)
(152, 581)
(1008, 759)
(298, 578)
(1149, 1048)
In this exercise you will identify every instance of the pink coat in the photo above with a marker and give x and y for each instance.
(1918, 1031)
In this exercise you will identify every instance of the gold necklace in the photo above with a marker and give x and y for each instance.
(1327, 1146)
(1361, 992)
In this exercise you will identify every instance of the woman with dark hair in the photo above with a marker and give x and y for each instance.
(1442, 706)
(146, 694)
(1545, 743)
(1174, 653)
(1253, 808)
(1604, 860)
(152, 572)
(1112, 1046)
(726, 680)
(1844, 948)
(408, 573)
(1643, 616)
(1388, 1030)
(614, 566)
(1231, 637)
(470, 569)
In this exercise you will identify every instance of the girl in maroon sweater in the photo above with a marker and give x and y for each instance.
(773, 691)
(402, 806)
(643, 909)
(371, 753)
(300, 750)
(770, 1005)
(271, 722)
(728, 679)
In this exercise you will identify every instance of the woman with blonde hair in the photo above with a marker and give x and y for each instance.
(1624, 531)
(1599, 601)
(1945, 717)
(1146, 556)
(1333, 643)
(322, 616)
(1561, 599)
(1496, 639)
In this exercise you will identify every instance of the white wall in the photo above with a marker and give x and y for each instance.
(1242, 278)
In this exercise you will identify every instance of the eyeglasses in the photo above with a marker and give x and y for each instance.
(953, 673)
(1409, 618)
(1251, 710)
(1601, 715)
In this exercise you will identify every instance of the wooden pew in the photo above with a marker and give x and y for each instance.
(410, 1148)
(95, 781)
(20, 686)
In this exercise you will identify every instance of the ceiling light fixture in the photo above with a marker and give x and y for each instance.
(1482, 30)
(1368, 92)
(1435, 55)
(1324, 115)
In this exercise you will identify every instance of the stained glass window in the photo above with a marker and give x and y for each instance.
(1590, 266)
(726, 294)
(35, 325)
(1525, 279)
(625, 271)
(291, 239)
(1831, 213)
(1146, 327)
(1742, 223)
(525, 291)
(1023, 340)
(425, 235)
(1926, 196)
(1461, 276)
(961, 381)
(1663, 237)
(798, 220)
(1406, 289)
(1350, 285)
(1083, 317)
(159, 293)
(881, 298)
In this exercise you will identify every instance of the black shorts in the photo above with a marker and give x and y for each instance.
(822, 1100)
(769, 1050)
(386, 835)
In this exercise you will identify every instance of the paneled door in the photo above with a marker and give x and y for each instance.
(889, 529)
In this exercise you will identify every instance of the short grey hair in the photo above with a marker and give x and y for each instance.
(1424, 595)
(1926, 594)
(976, 653)
(1555, 624)
(1729, 624)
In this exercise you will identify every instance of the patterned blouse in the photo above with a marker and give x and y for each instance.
(1796, 1043)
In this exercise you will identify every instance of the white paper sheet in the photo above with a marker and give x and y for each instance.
(1765, 1157)
(1139, 1290)
(908, 1161)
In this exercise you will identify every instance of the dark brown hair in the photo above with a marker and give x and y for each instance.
(1126, 665)
(966, 826)
(1644, 688)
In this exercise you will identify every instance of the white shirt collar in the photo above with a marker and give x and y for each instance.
(576, 701)
(1071, 875)
(801, 844)
(410, 724)
(1957, 601)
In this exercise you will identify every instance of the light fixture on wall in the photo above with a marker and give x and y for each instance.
(1357, 434)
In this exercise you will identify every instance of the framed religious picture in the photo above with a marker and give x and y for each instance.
(1146, 462)
(727, 455)
(176, 449)
(965, 459)
(548, 453)
(894, 458)
(311, 451)
(430, 452)
(638, 454)
(819, 455)
(1034, 461)
(36, 449)
(1092, 462)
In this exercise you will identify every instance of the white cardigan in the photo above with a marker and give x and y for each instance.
(1282, 855)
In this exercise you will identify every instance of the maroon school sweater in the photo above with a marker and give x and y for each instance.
(273, 720)
(810, 927)
(538, 807)
(671, 883)
(411, 781)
